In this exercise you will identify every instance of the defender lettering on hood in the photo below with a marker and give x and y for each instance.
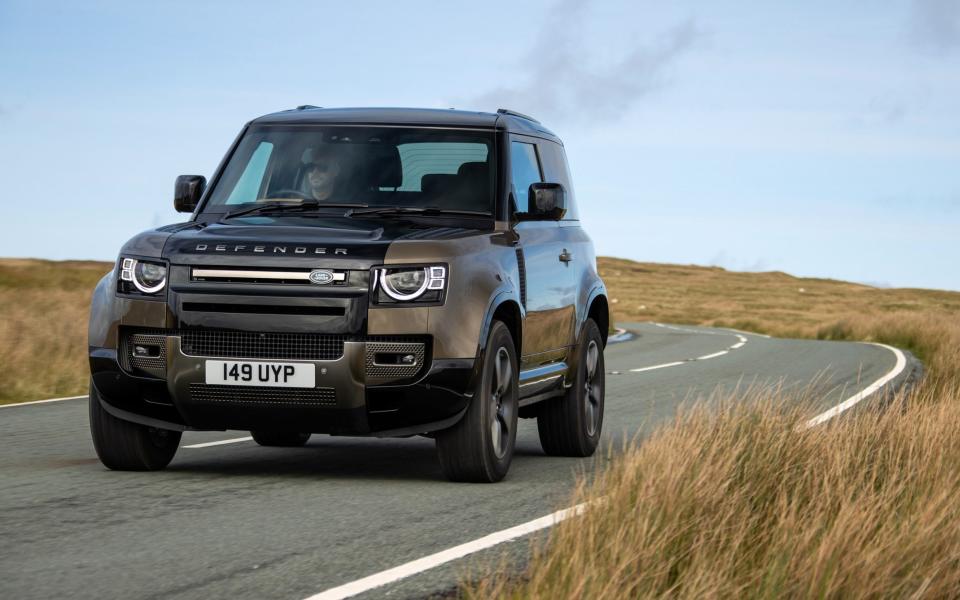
(266, 249)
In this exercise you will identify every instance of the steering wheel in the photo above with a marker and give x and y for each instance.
(287, 194)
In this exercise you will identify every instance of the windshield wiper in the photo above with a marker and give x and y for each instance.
(277, 207)
(390, 211)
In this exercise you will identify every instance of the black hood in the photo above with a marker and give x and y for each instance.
(340, 242)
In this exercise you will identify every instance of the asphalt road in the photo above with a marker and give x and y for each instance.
(243, 521)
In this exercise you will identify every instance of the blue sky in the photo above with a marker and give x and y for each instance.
(817, 138)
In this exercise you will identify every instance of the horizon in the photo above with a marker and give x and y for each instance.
(755, 138)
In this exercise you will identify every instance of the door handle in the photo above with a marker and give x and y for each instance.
(565, 256)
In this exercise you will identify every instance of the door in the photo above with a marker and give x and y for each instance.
(550, 305)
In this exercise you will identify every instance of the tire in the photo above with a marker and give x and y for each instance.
(479, 448)
(125, 446)
(283, 439)
(571, 425)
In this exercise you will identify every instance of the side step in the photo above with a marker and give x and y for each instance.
(541, 382)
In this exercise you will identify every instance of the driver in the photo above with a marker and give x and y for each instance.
(321, 174)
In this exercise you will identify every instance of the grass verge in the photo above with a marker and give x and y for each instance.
(44, 306)
(739, 502)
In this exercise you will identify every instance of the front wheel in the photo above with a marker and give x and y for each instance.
(479, 447)
(570, 425)
(125, 446)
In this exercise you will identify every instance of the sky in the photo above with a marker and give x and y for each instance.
(817, 138)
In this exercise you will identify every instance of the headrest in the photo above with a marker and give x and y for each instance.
(434, 183)
(385, 166)
(472, 170)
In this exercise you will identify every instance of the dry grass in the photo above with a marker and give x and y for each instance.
(739, 502)
(44, 307)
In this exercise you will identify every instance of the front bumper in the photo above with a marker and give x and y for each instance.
(354, 394)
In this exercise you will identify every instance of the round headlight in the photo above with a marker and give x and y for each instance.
(149, 277)
(404, 284)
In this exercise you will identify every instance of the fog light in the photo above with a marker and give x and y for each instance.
(394, 359)
(146, 351)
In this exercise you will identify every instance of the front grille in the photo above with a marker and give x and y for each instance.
(241, 394)
(248, 344)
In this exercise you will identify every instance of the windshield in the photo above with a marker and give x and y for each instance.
(348, 165)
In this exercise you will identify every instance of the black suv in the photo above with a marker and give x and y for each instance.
(384, 272)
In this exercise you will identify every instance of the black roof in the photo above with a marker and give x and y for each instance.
(441, 117)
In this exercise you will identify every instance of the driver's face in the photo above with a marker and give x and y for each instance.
(322, 172)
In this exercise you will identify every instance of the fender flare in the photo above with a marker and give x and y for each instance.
(501, 296)
(595, 292)
(498, 299)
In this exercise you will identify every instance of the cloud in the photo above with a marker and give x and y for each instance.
(935, 25)
(562, 78)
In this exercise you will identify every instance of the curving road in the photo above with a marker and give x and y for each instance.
(234, 519)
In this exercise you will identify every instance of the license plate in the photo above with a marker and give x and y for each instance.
(266, 374)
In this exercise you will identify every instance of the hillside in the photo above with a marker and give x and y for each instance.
(44, 307)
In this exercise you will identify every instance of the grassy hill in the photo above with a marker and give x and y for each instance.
(44, 307)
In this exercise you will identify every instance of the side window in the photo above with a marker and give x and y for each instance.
(556, 170)
(248, 185)
(525, 170)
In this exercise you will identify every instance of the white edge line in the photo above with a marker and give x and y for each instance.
(664, 366)
(714, 355)
(737, 345)
(850, 402)
(42, 401)
(220, 442)
(450, 554)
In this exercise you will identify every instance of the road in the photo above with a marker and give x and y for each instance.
(243, 521)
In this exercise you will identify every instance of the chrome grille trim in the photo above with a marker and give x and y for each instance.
(201, 273)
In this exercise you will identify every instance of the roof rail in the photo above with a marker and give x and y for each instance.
(307, 107)
(513, 113)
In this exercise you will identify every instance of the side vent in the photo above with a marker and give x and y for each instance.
(522, 266)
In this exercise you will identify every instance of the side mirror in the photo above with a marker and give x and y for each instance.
(547, 202)
(187, 192)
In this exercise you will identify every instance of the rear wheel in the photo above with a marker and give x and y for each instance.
(480, 446)
(284, 439)
(570, 425)
(125, 446)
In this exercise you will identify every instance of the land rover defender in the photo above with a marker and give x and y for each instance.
(369, 272)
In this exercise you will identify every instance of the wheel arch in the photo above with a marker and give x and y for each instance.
(599, 311)
(508, 311)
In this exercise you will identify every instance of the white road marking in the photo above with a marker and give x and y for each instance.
(220, 442)
(763, 335)
(450, 554)
(736, 346)
(850, 402)
(42, 401)
(664, 366)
